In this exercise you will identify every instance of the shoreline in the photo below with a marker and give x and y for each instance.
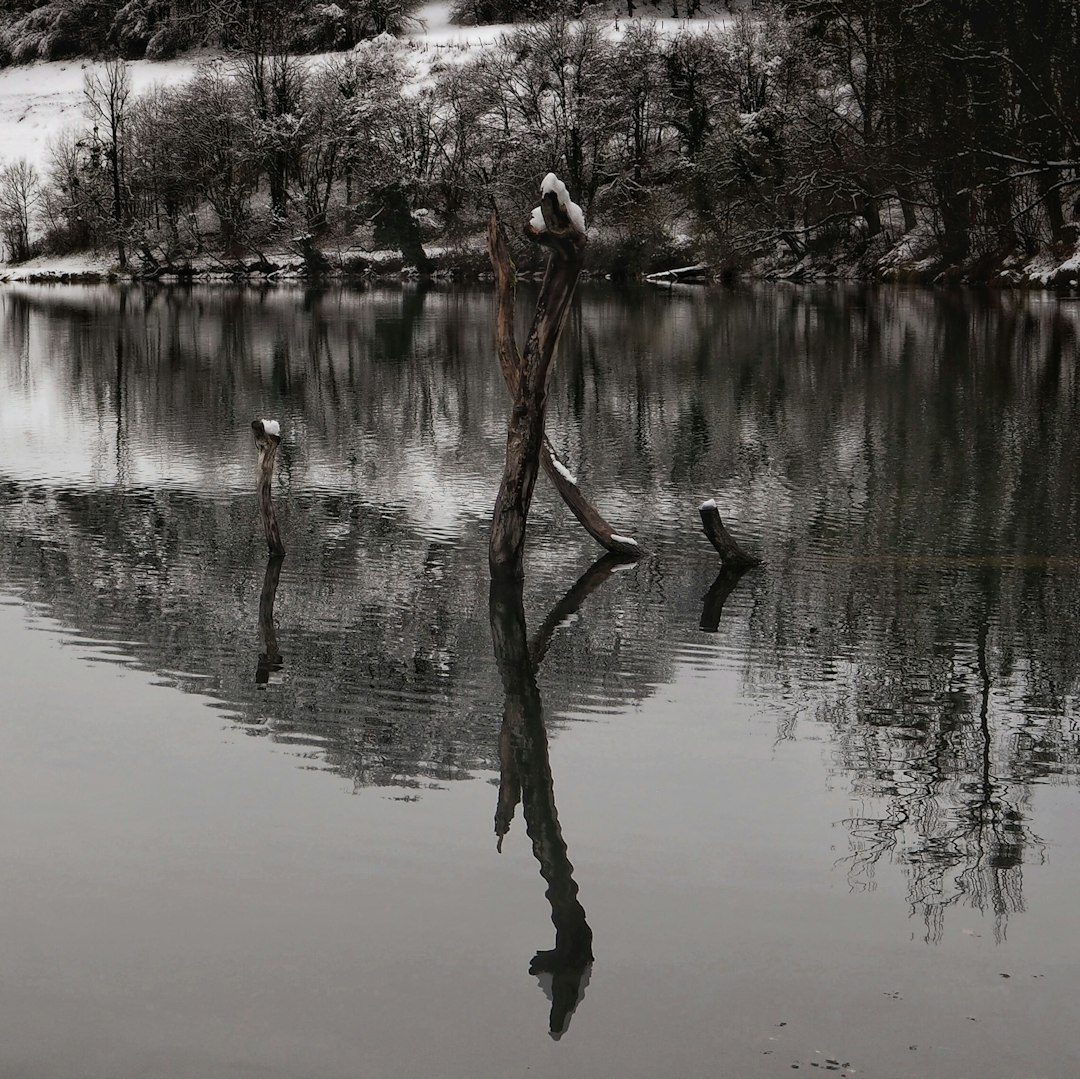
(1043, 271)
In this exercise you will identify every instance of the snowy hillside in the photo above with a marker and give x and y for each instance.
(39, 100)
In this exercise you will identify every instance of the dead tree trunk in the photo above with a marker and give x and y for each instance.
(731, 554)
(267, 439)
(557, 224)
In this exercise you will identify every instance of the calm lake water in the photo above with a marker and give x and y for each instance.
(822, 816)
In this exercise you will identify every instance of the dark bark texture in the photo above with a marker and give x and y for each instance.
(267, 445)
(526, 375)
(731, 554)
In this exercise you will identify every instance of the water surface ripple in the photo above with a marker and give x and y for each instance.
(904, 461)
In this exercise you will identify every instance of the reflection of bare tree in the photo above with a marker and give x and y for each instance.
(525, 776)
(906, 461)
(951, 816)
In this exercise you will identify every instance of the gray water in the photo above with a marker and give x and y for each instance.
(821, 816)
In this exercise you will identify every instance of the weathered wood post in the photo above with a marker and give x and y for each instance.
(559, 225)
(731, 554)
(267, 439)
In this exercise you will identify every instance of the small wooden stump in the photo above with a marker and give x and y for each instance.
(267, 439)
(731, 554)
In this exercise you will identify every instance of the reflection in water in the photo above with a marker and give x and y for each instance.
(950, 806)
(905, 461)
(712, 607)
(270, 657)
(525, 776)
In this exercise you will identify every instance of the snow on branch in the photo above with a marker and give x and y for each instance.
(558, 220)
(269, 427)
(553, 185)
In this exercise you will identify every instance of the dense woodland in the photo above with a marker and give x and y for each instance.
(869, 135)
(160, 29)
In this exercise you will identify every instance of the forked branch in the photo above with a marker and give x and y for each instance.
(557, 224)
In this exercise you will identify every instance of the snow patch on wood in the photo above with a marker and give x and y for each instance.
(698, 272)
(563, 470)
(553, 185)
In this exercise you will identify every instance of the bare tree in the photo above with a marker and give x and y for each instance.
(260, 34)
(20, 194)
(108, 96)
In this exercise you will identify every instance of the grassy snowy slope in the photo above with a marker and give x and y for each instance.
(39, 100)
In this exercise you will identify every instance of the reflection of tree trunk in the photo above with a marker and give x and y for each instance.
(270, 657)
(571, 603)
(526, 776)
(713, 606)
(121, 439)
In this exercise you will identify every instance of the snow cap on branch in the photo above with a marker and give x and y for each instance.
(563, 470)
(552, 185)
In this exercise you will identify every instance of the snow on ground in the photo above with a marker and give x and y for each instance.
(37, 101)
(77, 263)
(433, 27)
(1045, 268)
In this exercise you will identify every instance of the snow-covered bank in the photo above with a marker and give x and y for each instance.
(913, 259)
(82, 266)
(462, 261)
(409, 141)
(468, 261)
